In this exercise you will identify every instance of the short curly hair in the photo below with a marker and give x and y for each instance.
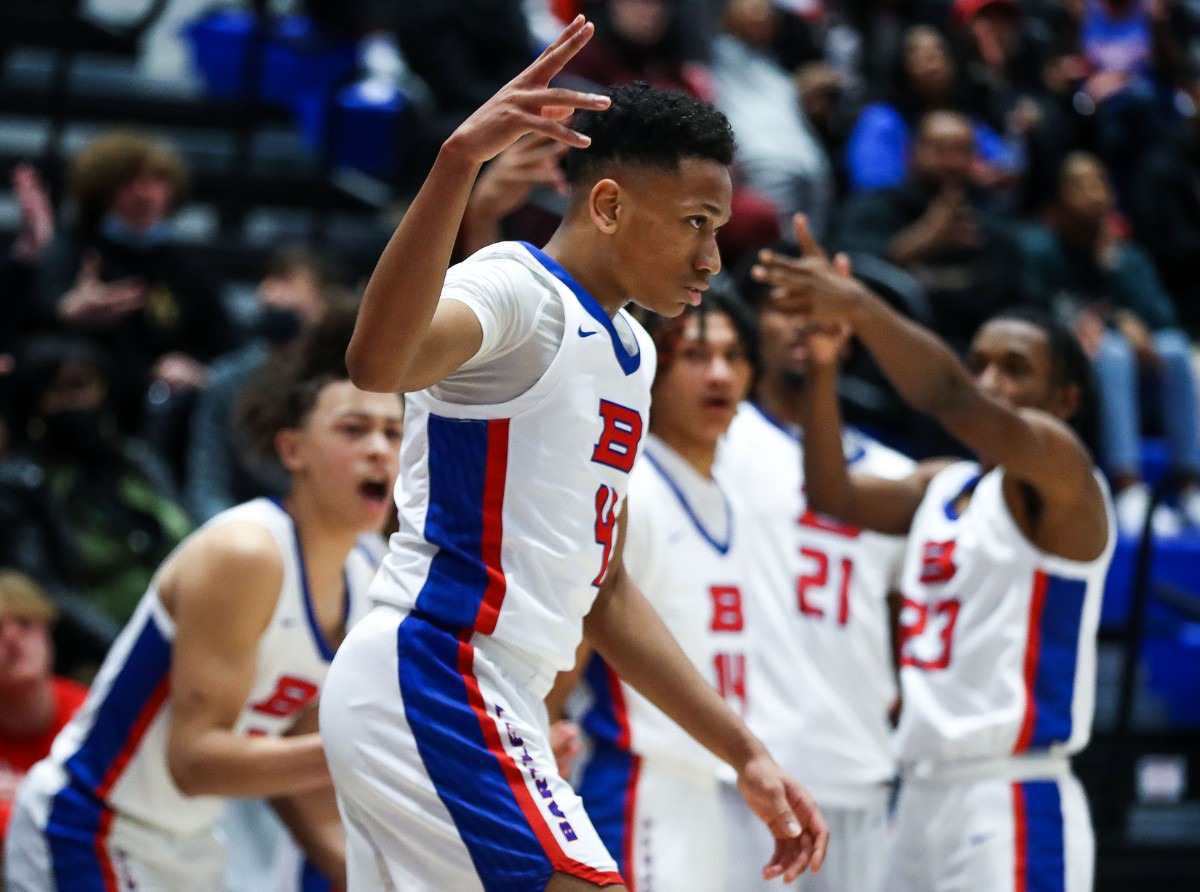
(650, 127)
(116, 158)
(282, 395)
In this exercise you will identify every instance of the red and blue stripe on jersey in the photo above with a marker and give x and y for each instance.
(511, 843)
(1051, 660)
(1040, 861)
(610, 777)
(468, 463)
(80, 820)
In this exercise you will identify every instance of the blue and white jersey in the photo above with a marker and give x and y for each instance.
(508, 511)
(682, 549)
(998, 639)
(818, 632)
(112, 756)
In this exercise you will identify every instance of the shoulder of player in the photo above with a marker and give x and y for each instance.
(1066, 469)
(868, 454)
(233, 564)
(502, 262)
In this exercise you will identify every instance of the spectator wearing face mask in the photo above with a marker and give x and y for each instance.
(110, 493)
(118, 278)
(293, 295)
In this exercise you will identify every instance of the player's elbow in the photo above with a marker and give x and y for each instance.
(823, 500)
(368, 373)
(187, 770)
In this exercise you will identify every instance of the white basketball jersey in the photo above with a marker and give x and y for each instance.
(818, 639)
(114, 750)
(682, 549)
(508, 512)
(998, 652)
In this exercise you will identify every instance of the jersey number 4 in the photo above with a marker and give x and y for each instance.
(606, 527)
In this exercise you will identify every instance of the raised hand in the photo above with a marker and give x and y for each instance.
(791, 815)
(820, 290)
(505, 184)
(91, 302)
(37, 216)
(527, 104)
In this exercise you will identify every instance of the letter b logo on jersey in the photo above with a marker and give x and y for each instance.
(619, 440)
(290, 696)
(937, 562)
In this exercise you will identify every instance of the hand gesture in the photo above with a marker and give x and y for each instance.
(526, 104)
(91, 302)
(821, 291)
(565, 744)
(1140, 338)
(951, 221)
(179, 372)
(37, 217)
(505, 184)
(801, 836)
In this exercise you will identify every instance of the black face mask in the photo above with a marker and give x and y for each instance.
(277, 325)
(79, 433)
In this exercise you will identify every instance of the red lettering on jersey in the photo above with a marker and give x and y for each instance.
(937, 562)
(731, 679)
(291, 695)
(606, 526)
(818, 578)
(917, 623)
(727, 608)
(815, 521)
(619, 440)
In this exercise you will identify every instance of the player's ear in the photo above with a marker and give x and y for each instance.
(604, 202)
(1069, 399)
(288, 448)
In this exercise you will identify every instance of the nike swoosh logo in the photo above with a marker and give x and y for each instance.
(586, 334)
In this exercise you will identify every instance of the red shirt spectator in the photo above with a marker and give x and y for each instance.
(34, 703)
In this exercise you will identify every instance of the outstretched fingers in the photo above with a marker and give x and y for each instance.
(564, 47)
(806, 240)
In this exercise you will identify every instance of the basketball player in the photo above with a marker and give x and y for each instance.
(651, 790)
(1002, 581)
(820, 663)
(529, 393)
(207, 692)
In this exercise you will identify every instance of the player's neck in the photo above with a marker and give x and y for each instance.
(580, 258)
(699, 454)
(325, 545)
(780, 398)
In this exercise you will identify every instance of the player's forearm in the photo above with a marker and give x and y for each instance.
(405, 287)
(312, 820)
(221, 763)
(631, 637)
(923, 369)
(827, 484)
